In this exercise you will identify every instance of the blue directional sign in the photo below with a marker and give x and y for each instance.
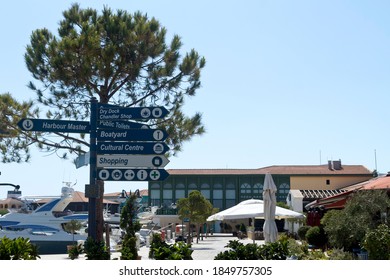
(132, 135)
(110, 112)
(134, 148)
(54, 126)
(121, 125)
(132, 174)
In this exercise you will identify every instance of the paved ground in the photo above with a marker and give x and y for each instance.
(206, 249)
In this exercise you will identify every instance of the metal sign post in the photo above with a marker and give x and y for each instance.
(91, 189)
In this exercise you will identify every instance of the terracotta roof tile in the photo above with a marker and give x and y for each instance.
(278, 169)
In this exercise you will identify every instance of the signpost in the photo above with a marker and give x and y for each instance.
(132, 174)
(110, 112)
(120, 150)
(115, 161)
(132, 135)
(134, 148)
(54, 126)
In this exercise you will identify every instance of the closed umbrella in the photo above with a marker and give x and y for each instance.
(269, 198)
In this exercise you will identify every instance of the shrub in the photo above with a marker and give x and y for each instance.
(377, 243)
(340, 254)
(302, 232)
(17, 249)
(160, 250)
(95, 250)
(270, 251)
(316, 236)
(74, 251)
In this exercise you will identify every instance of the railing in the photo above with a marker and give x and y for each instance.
(166, 211)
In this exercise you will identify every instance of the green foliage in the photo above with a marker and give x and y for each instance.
(119, 57)
(14, 145)
(316, 255)
(160, 250)
(95, 250)
(347, 228)
(155, 243)
(340, 254)
(316, 236)
(196, 207)
(302, 232)
(17, 249)
(73, 226)
(270, 251)
(377, 243)
(74, 251)
(297, 250)
(130, 224)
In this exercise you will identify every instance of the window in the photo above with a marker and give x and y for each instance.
(155, 199)
(283, 191)
(328, 182)
(246, 191)
(258, 191)
(180, 194)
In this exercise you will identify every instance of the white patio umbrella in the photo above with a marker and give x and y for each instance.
(252, 208)
(269, 228)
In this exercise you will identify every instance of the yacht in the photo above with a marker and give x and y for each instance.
(44, 226)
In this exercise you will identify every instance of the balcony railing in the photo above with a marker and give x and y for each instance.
(166, 211)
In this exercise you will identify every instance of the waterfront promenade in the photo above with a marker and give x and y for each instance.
(206, 249)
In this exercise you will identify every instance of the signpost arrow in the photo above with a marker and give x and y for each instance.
(130, 161)
(132, 174)
(132, 135)
(110, 112)
(54, 126)
(134, 148)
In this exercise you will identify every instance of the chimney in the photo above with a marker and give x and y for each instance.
(337, 165)
(330, 165)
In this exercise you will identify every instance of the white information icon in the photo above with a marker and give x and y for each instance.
(142, 175)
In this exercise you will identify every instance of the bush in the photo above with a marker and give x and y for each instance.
(302, 232)
(316, 236)
(160, 250)
(270, 251)
(74, 251)
(95, 250)
(377, 243)
(340, 254)
(17, 249)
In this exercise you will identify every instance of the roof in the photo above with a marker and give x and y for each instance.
(278, 169)
(77, 197)
(144, 192)
(316, 194)
(338, 201)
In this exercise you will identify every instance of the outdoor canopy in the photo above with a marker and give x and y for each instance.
(252, 208)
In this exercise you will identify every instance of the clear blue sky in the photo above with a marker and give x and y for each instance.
(286, 82)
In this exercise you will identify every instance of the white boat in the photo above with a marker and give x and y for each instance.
(45, 225)
(144, 217)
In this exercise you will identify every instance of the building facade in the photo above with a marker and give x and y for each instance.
(225, 188)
